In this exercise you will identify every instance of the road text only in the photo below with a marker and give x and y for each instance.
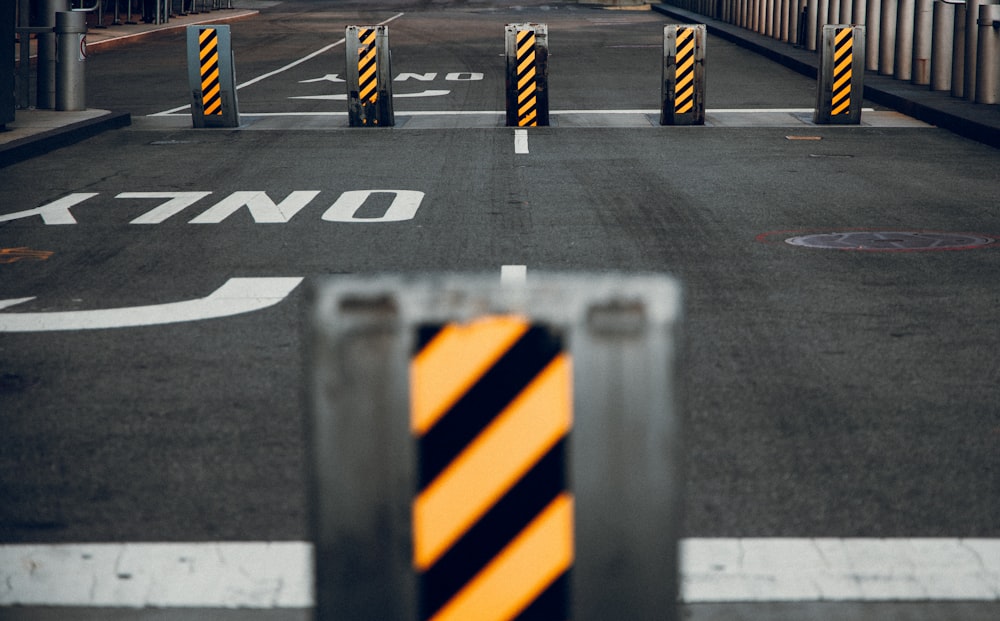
(379, 206)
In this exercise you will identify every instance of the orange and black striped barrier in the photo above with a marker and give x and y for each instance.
(683, 92)
(841, 75)
(527, 50)
(369, 77)
(211, 75)
(482, 453)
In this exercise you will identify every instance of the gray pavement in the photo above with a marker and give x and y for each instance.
(35, 132)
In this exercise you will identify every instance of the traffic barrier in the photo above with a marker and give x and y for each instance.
(988, 55)
(71, 43)
(683, 84)
(527, 51)
(211, 75)
(369, 77)
(484, 450)
(841, 75)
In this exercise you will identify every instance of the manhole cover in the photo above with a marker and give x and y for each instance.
(889, 241)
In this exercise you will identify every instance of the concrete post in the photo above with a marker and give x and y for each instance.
(958, 52)
(923, 25)
(972, 45)
(873, 32)
(988, 62)
(887, 38)
(942, 42)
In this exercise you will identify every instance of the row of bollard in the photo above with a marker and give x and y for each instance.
(943, 44)
(368, 73)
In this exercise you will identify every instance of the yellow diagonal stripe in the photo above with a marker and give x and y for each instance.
(526, 79)
(541, 553)
(492, 463)
(204, 34)
(841, 35)
(453, 361)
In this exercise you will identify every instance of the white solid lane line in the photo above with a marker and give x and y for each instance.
(280, 574)
(521, 141)
(236, 296)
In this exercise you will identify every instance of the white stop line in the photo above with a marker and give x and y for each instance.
(280, 574)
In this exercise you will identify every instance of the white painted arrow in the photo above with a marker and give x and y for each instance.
(236, 296)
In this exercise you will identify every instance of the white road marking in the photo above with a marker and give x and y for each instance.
(521, 141)
(343, 96)
(236, 296)
(282, 69)
(280, 574)
(513, 274)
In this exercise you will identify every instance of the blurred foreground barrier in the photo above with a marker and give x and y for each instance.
(369, 77)
(841, 75)
(211, 75)
(527, 51)
(683, 91)
(483, 451)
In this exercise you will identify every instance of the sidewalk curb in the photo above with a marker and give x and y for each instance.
(39, 144)
(979, 122)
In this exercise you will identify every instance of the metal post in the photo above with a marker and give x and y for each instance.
(212, 77)
(683, 83)
(904, 39)
(923, 27)
(369, 77)
(972, 45)
(479, 450)
(527, 74)
(71, 79)
(958, 52)
(841, 75)
(887, 38)
(942, 42)
(988, 64)
(46, 77)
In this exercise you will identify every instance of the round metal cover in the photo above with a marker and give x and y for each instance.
(891, 241)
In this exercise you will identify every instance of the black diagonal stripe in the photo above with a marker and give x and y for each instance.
(425, 334)
(209, 41)
(501, 524)
(553, 603)
(684, 99)
(484, 401)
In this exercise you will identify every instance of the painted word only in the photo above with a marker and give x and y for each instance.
(402, 205)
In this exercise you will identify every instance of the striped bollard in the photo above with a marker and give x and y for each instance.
(683, 84)
(527, 50)
(369, 77)
(211, 76)
(488, 452)
(841, 76)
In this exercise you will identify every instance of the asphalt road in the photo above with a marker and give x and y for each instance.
(825, 392)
